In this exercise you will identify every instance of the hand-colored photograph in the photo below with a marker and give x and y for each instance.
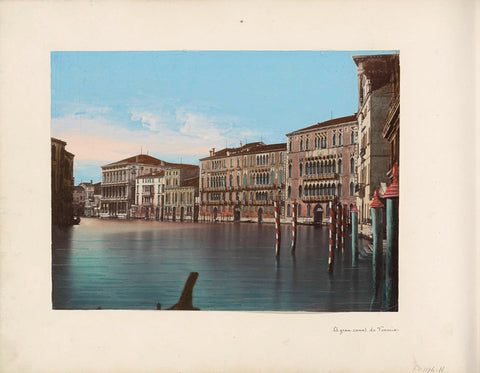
(225, 180)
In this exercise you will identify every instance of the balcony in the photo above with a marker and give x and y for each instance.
(118, 199)
(319, 153)
(115, 182)
(324, 176)
(318, 198)
(218, 189)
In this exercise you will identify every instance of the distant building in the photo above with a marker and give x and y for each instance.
(149, 196)
(321, 166)
(242, 183)
(376, 87)
(89, 204)
(97, 198)
(181, 190)
(119, 181)
(79, 200)
(62, 183)
(119, 184)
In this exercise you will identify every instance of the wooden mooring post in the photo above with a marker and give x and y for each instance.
(277, 228)
(294, 226)
(331, 242)
(377, 226)
(391, 260)
(354, 214)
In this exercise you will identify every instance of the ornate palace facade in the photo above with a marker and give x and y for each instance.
(321, 165)
(240, 184)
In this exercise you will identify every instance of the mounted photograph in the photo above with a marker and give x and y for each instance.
(225, 180)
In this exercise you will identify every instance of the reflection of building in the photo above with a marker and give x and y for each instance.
(321, 166)
(376, 100)
(149, 194)
(181, 188)
(242, 183)
(62, 183)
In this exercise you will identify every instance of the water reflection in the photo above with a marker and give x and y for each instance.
(137, 264)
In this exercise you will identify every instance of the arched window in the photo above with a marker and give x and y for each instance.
(300, 191)
(299, 210)
(333, 189)
(352, 137)
(301, 144)
(352, 166)
(301, 169)
(317, 190)
(231, 180)
(290, 146)
(340, 166)
(328, 210)
(288, 210)
(339, 189)
(307, 144)
(352, 189)
(289, 170)
(318, 167)
(307, 167)
(333, 167)
(322, 191)
(308, 211)
(334, 140)
(279, 177)
(289, 192)
(245, 180)
(340, 139)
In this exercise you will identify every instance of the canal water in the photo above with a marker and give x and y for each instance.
(136, 264)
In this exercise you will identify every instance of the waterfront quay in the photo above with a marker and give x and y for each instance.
(135, 264)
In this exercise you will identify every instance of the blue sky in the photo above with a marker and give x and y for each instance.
(176, 105)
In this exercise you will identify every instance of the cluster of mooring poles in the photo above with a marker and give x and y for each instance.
(388, 298)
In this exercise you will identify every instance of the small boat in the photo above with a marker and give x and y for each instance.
(76, 220)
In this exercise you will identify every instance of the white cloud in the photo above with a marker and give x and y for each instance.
(97, 139)
(153, 122)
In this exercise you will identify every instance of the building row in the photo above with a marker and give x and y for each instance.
(143, 186)
(343, 159)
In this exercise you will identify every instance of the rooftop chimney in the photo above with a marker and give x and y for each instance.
(212, 152)
(136, 159)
